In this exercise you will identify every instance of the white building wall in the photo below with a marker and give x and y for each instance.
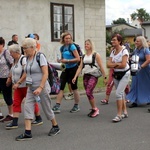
(22, 17)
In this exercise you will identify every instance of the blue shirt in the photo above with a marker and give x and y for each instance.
(68, 54)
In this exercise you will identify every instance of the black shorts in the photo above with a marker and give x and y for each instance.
(67, 76)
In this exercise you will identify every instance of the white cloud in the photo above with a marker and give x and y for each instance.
(123, 8)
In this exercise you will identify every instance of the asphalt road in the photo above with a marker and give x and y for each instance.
(79, 132)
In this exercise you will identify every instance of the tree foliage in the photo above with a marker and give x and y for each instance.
(119, 21)
(141, 15)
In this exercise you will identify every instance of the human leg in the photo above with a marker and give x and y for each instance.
(89, 85)
(46, 106)
(109, 87)
(63, 80)
(7, 94)
(120, 87)
(19, 95)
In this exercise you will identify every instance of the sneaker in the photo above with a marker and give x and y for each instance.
(69, 96)
(1, 118)
(11, 126)
(37, 122)
(54, 131)
(7, 118)
(56, 108)
(75, 109)
(92, 111)
(24, 137)
(95, 113)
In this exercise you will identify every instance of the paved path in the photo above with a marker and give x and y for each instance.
(79, 132)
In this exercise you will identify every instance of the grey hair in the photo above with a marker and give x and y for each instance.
(15, 48)
(143, 41)
(29, 42)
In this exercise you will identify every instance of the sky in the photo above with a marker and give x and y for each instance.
(123, 8)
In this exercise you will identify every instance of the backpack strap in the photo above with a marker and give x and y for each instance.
(38, 58)
(7, 61)
(21, 60)
(93, 61)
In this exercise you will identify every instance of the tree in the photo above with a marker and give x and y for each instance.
(141, 15)
(119, 21)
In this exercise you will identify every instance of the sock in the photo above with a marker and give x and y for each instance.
(28, 132)
(38, 117)
(56, 126)
(1, 114)
(58, 104)
(15, 121)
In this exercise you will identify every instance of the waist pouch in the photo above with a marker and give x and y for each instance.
(119, 74)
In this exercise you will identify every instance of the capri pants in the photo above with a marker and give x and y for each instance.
(19, 95)
(45, 103)
(110, 83)
(89, 82)
(121, 85)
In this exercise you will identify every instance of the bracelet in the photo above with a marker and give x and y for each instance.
(41, 87)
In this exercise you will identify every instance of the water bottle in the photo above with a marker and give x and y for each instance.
(37, 98)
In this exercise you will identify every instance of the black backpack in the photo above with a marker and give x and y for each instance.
(93, 61)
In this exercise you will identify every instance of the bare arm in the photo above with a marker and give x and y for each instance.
(99, 62)
(78, 71)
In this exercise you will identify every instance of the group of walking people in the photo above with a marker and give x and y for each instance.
(28, 79)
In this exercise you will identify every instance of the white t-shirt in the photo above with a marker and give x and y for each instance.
(17, 69)
(87, 68)
(118, 58)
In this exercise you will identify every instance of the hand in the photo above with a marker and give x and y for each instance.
(74, 80)
(59, 60)
(37, 91)
(15, 86)
(105, 81)
(8, 82)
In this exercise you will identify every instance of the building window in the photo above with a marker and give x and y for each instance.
(62, 20)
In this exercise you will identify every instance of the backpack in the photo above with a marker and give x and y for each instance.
(93, 61)
(53, 78)
(77, 47)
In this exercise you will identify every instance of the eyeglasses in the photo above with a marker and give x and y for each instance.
(25, 48)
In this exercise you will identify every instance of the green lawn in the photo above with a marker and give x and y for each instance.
(80, 85)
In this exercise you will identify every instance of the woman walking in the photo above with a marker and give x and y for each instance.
(20, 89)
(70, 58)
(6, 62)
(89, 79)
(38, 89)
(119, 62)
(139, 93)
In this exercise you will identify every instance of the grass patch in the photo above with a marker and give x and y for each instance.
(99, 85)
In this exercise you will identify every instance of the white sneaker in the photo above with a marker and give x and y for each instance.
(69, 96)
